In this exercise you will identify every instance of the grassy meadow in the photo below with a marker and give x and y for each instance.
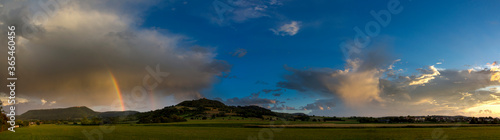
(238, 129)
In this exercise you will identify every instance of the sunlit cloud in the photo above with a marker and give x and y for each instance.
(426, 101)
(465, 95)
(5, 100)
(43, 101)
(491, 108)
(495, 69)
(425, 78)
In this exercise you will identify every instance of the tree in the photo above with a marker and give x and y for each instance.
(85, 121)
(3, 118)
(222, 114)
(473, 121)
(96, 121)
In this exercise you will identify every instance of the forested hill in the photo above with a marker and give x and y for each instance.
(202, 109)
(59, 113)
(202, 103)
(217, 106)
(71, 113)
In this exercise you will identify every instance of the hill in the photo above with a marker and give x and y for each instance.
(201, 109)
(206, 107)
(202, 103)
(59, 113)
(71, 113)
(194, 109)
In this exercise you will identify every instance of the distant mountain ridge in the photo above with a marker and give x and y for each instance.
(70, 113)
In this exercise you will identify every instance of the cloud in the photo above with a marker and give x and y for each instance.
(357, 85)
(253, 99)
(324, 104)
(4, 98)
(425, 78)
(486, 111)
(281, 107)
(271, 90)
(43, 101)
(239, 11)
(366, 86)
(454, 92)
(277, 94)
(240, 53)
(69, 56)
(261, 82)
(392, 65)
(289, 29)
(495, 69)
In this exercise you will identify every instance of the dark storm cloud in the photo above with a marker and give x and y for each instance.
(303, 80)
(72, 50)
(357, 84)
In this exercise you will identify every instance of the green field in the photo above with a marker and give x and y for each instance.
(219, 129)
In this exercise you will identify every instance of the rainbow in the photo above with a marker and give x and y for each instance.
(117, 89)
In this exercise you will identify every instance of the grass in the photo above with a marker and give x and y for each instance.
(218, 129)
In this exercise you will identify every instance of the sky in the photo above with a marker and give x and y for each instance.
(324, 57)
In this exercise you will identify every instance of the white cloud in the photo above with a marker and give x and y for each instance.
(288, 29)
(392, 65)
(240, 11)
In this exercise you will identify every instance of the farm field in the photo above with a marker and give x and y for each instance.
(216, 129)
(402, 125)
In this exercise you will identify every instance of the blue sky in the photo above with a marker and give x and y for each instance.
(285, 55)
(424, 33)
